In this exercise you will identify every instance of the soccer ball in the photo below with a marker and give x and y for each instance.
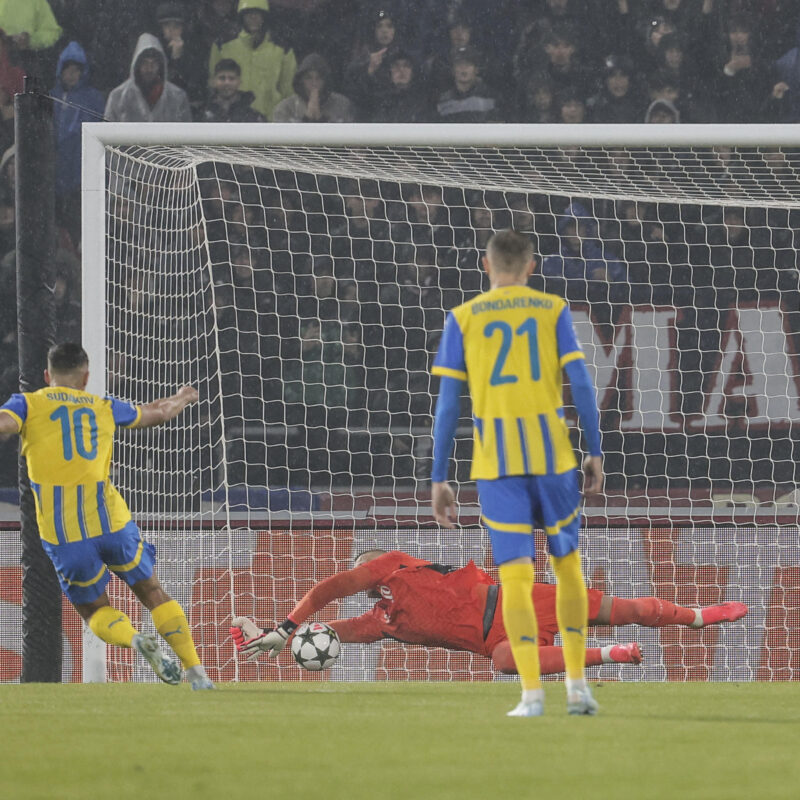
(315, 646)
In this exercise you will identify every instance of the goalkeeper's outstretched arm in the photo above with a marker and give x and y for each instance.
(165, 409)
(252, 640)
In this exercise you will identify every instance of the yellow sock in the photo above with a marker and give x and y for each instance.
(520, 622)
(572, 609)
(112, 626)
(171, 623)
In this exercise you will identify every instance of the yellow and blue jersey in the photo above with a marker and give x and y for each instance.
(67, 439)
(510, 345)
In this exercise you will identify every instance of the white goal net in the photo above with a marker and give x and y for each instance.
(303, 287)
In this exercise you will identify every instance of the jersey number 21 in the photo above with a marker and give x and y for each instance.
(507, 333)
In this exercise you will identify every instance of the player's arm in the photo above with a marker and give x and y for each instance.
(252, 640)
(450, 366)
(8, 424)
(165, 409)
(445, 423)
(584, 397)
(364, 629)
(13, 414)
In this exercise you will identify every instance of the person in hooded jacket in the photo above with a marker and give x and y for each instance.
(31, 27)
(228, 103)
(80, 103)
(147, 96)
(267, 69)
(313, 100)
(366, 77)
(405, 100)
(662, 112)
(186, 55)
(438, 69)
(618, 101)
(742, 78)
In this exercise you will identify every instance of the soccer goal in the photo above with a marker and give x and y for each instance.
(299, 276)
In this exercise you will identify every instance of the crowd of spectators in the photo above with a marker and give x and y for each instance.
(330, 296)
(337, 292)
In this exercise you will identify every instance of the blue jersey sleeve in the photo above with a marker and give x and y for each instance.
(17, 406)
(445, 423)
(585, 399)
(124, 413)
(449, 361)
(568, 347)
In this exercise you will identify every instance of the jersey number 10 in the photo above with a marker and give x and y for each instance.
(68, 426)
(529, 328)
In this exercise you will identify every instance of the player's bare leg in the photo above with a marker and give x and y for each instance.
(652, 612)
(114, 627)
(171, 623)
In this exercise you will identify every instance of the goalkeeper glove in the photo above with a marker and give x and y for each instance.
(252, 640)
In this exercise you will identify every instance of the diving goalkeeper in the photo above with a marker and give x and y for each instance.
(459, 608)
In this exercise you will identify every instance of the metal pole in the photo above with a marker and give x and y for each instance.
(36, 325)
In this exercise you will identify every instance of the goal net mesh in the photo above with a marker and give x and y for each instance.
(303, 291)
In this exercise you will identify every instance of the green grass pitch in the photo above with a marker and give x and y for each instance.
(394, 740)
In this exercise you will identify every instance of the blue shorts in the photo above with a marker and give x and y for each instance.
(512, 507)
(83, 567)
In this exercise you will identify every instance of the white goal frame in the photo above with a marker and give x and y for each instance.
(97, 136)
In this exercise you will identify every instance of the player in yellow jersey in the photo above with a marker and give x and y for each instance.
(510, 345)
(86, 527)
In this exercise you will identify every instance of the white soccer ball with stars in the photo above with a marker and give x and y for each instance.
(315, 646)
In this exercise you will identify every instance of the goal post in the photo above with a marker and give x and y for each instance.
(299, 276)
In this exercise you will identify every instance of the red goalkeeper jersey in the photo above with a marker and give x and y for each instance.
(544, 604)
(429, 604)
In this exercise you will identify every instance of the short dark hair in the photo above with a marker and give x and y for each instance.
(227, 65)
(369, 552)
(569, 96)
(740, 22)
(618, 64)
(510, 251)
(170, 12)
(66, 357)
(400, 55)
(468, 54)
(671, 41)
